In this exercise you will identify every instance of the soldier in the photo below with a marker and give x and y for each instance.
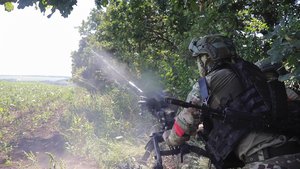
(272, 72)
(250, 144)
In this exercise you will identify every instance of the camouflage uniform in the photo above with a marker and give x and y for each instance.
(212, 53)
(185, 120)
(273, 71)
(288, 161)
(225, 85)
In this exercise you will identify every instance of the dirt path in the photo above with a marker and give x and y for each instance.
(41, 148)
(45, 153)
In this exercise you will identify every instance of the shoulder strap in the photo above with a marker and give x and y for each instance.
(203, 90)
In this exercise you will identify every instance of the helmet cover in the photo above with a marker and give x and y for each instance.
(217, 47)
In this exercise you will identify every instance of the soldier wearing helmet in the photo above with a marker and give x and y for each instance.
(229, 145)
(272, 72)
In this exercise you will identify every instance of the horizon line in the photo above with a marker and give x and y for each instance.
(38, 75)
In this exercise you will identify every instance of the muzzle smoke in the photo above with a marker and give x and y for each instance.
(114, 70)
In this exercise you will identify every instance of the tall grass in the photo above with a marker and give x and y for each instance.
(104, 128)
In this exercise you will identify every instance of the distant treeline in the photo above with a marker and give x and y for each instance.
(58, 80)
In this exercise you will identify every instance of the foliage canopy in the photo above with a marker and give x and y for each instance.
(153, 35)
(65, 7)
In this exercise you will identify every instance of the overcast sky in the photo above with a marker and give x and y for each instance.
(32, 44)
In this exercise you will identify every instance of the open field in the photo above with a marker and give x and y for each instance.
(52, 126)
(65, 127)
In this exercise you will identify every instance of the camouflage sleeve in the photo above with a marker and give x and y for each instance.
(187, 121)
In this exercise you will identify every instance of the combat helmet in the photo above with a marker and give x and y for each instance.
(271, 70)
(217, 48)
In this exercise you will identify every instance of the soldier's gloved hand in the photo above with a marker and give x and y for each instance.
(196, 113)
(196, 101)
(190, 117)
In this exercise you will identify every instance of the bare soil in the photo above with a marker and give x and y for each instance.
(34, 149)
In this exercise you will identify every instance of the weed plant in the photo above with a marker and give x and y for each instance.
(105, 128)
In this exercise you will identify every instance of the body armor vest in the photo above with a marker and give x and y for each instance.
(251, 110)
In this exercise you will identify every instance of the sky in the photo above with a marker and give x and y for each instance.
(32, 44)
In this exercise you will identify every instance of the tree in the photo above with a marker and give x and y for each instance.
(65, 7)
(154, 34)
(141, 34)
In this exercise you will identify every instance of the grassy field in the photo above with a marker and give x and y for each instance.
(47, 126)
(52, 126)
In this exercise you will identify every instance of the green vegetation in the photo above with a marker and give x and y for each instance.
(64, 7)
(94, 127)
(132, 41)
(153, 36)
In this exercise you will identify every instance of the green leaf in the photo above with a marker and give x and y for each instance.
(276, 54)
(285, 77)
(297, 71)
(8, 6)
(297, 76)
(296, 44)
